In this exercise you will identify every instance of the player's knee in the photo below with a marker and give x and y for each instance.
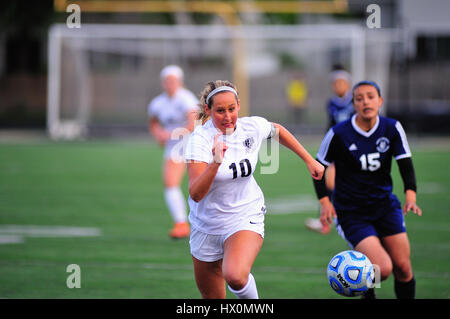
(403, 269)
(236, 279)
(385, 268)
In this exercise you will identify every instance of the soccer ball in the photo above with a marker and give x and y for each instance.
(350, 273)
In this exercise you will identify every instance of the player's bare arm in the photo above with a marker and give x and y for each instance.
(190, 117)
(201, 174)
(327, 211)
(287, 139)
(158, 131)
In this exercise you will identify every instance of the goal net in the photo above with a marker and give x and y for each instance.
(102, 77)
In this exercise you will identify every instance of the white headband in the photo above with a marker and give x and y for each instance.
(172, 70)
(340, 74)
(220, 89)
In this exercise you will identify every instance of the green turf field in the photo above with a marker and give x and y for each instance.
(114, 189)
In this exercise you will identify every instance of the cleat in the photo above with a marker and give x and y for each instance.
(314, 224)
(369, 294)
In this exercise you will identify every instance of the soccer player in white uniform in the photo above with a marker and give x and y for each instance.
(226, 204)
(171, 115)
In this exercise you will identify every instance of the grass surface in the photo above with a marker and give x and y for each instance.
(116, 188)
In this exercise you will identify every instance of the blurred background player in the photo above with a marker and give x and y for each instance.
(369, 216)
(226, 204)
(339, 108)
(296, 95)
(175, 108)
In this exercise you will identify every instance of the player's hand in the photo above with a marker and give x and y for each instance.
(410, 203)
(327, 211)
(162, 136)
(412, 206)
(219, 149)
(316, 169)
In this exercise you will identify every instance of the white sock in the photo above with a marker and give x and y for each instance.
(176, 204)
(249, 291)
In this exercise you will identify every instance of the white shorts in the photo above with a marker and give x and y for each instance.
(174, 149)
(209, 248)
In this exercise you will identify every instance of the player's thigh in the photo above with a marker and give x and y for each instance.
(209, 279)
(240, 251)
(173, 172)
(399, 250)
(372, 247)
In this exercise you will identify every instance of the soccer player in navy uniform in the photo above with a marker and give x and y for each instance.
(369, 215)
(340, 106)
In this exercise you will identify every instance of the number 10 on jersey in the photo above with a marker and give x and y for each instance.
(245, 166)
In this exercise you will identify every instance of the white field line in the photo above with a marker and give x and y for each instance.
(11, 239)
(48, 231)
(432, 188)
(16, 234)
(292, 204)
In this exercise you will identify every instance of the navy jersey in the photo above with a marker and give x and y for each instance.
(363, 161)
(340, 109)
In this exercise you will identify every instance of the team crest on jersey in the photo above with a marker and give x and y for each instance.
(382, 144)
(248, 143)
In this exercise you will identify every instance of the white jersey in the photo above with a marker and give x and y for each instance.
(234, 193)
(171, 112)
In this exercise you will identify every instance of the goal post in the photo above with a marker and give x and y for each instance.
(101, 77)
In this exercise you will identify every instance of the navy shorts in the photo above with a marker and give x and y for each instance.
(378, 220)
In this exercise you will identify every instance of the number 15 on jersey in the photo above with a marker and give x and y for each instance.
(370, 162)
